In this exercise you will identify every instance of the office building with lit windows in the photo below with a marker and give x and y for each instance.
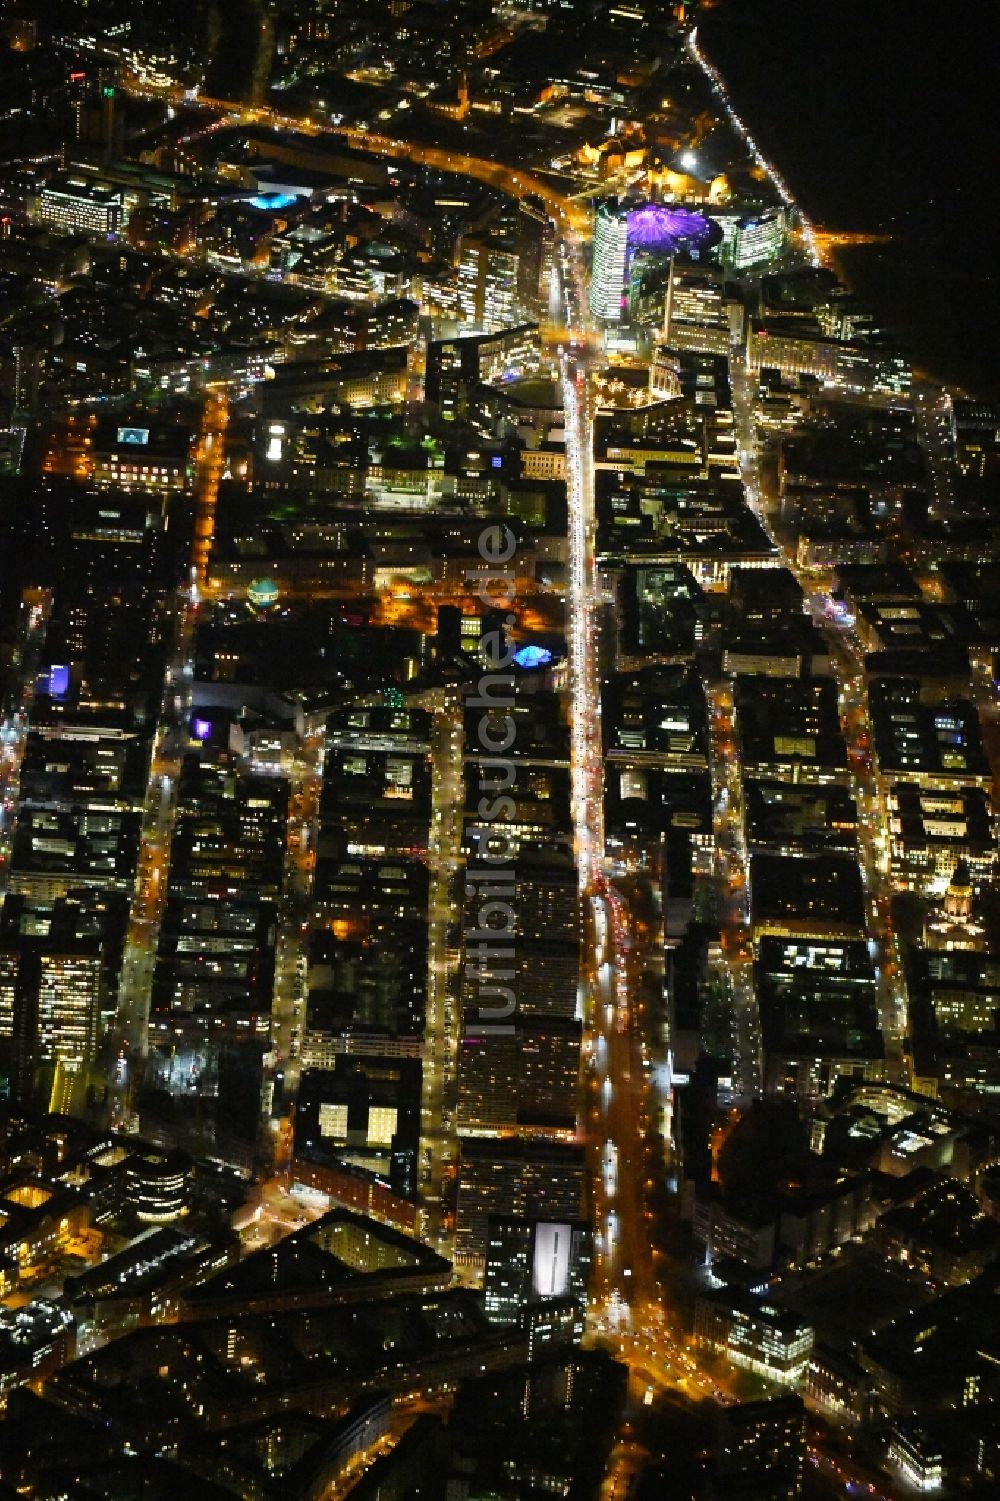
(514, 1178)
(143, 457)
(76, 204)
(760, 1450)
(753, 1334)
(819, 1013)
(488, 270)
(455, 366)
(49, 1009)
(610, 259)
(533, 1261)
(696, 311)
(57, 959)
(526, 1078)
(935, 745)
(915, 1453)
(759, 238)
(157, 1186)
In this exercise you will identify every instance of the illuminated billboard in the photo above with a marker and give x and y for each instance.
(133, 437)
(550, 1268)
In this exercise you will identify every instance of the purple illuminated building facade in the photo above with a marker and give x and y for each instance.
(670, 229)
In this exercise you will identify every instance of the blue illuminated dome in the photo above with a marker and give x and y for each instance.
(533, 656)
(667, 228)
(272, 202)
(263, 592)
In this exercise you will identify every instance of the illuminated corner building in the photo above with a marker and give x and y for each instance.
(696, 310)
(362, 1115)
(455, 366)
(609, 263)
(796, 346)
(157, 1186)
(819, 1015)
(68, 998)
(665, 374)
(936, 835)
(954, 999)
(77, 204)
(144, 456)
(532, 1261)
(789, 729)
(915, 1454)
(752, 1334)
(760, 1450)
(935, 745)
(836, 1383)
(759, 238)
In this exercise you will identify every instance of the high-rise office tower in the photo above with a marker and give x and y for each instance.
(526, 1078)
(57, 957)
(488, 274)
(537, 1179)
(49, 1008)
(608, 267)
